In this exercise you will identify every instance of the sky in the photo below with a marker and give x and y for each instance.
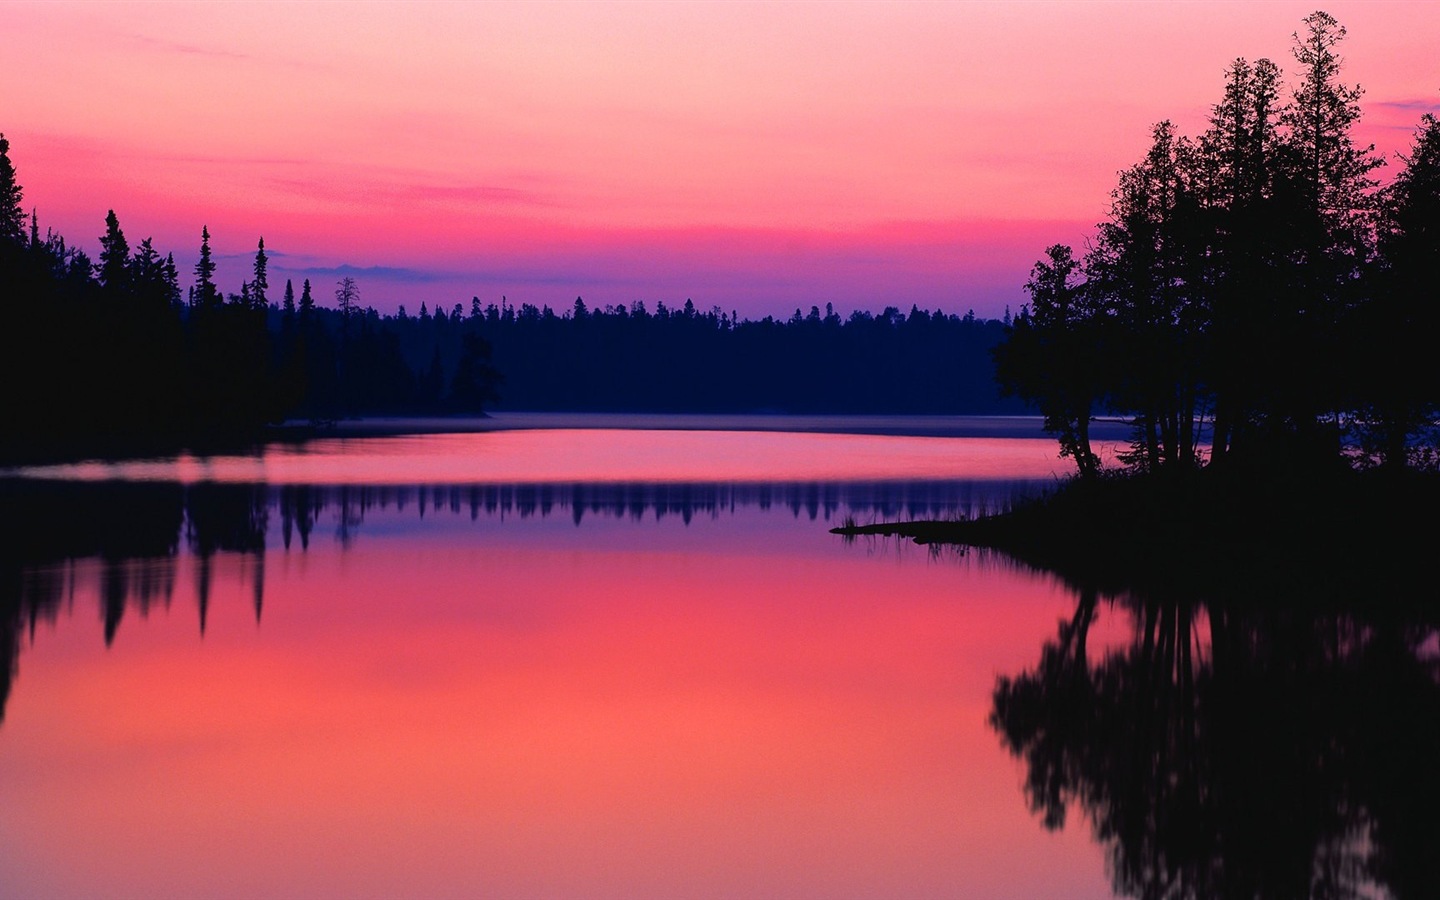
(757, 157)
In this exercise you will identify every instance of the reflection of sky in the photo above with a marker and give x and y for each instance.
(520, 705)
(599, 455)
(745, 706)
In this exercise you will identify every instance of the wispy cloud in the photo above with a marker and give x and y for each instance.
(389, 273)
(184, 49)
(400, 192)
(1427, 104)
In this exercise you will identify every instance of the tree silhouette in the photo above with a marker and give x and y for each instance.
(1054, 355)
(1241, 290)
(205, 296)
(12, 212)
(1396, 331)
(347, 297)
(1239, 746)
(113, 269)
(260, 285)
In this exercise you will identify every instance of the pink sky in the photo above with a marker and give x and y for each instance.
(757, 157)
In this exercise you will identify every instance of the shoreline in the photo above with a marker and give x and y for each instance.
(911, 425)
(1294, 533)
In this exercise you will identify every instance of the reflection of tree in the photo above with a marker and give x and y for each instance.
(1240, 749)
(231, 518)
(134, 531)
(299, 506)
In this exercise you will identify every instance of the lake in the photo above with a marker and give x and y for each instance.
(598, 657)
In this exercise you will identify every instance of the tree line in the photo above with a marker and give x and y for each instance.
(114, 355)
(638, 359)
(111, 355)
(1254, 296)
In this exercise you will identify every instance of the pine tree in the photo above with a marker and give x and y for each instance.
(1332, 173)
(171, 279)
(288, 305)
(260, 286)
(1240, 161)
(12, 214)
(114, 266)
(307, 302)
(205, 295)
(147, 274)
(1331, 221)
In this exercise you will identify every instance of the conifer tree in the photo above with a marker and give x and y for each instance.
(205, 296)
(1240, 161)
(147, 274)
(1332, 171)
(12, 214)
(260, 286)
(114, 265)
(307, 302)
(1331, 220)
(171, 277)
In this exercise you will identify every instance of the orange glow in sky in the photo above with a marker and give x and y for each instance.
(755, 156)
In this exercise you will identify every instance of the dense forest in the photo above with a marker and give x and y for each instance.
(114, 355)
(1254, 297)
(682, 360)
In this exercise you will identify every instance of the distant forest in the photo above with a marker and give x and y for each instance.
(1255, 297)
(116, 355)
(683, 360)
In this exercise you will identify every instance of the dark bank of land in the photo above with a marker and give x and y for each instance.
(1355, 531)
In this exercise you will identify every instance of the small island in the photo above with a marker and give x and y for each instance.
(1263, 311)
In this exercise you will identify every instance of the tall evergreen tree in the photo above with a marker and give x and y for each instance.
(307, 303)
(147, 274)
(12, 213)
(1332, 219)
(1240, 160)
(114, 265)
(1332, 172)
(171, 276)
(205, 296)
(260, 286)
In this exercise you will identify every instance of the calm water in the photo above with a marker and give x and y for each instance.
(593, 663)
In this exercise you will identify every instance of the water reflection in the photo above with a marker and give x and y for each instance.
(128, 534)
(1243, 744)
